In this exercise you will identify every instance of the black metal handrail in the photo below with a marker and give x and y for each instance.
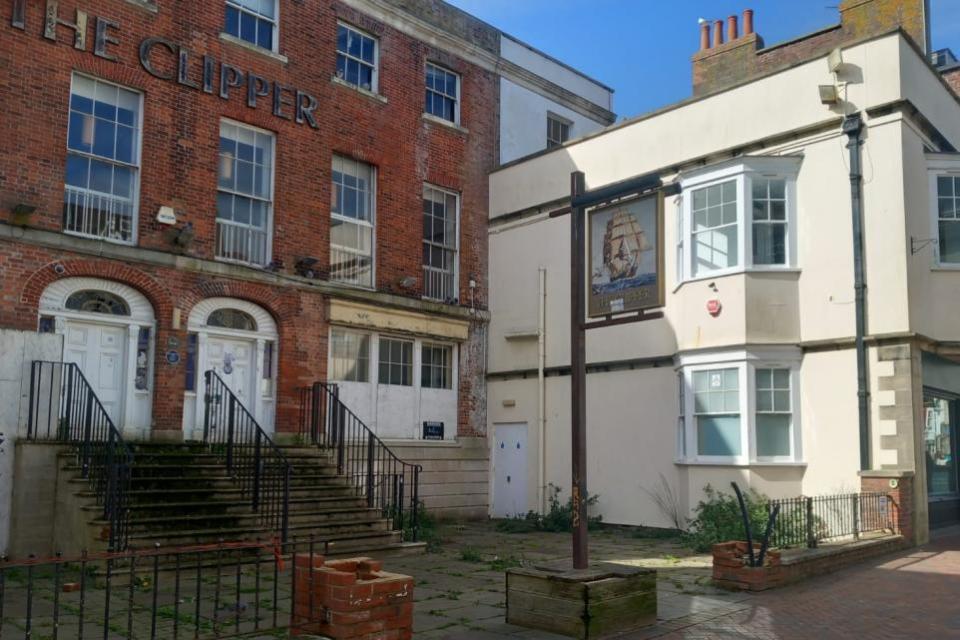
(252, 458)
(809, 520)
(65, 408)
(389, 484)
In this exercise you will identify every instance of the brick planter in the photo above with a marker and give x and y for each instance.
(351, 598)
(731, 570)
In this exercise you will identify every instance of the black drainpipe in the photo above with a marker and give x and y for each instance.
(853, 128)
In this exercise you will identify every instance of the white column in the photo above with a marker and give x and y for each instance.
(130, 397)
(201, 368)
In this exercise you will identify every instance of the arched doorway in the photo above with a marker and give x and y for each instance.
(108, 330)
(238, 340)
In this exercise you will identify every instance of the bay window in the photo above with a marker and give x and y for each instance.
(103, 161)
(352, 216)
(738, 215)
(742, 407)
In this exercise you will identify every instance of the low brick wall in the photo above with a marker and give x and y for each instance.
(730, 570)
(351, 598)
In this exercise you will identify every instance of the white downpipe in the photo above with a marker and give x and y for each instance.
(542, 391)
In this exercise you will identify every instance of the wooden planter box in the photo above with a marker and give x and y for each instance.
(596, 603)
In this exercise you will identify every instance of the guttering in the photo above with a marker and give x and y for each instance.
(853, 129)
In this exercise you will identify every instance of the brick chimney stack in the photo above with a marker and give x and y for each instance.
(742, 56)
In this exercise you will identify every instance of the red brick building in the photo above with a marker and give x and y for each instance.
(280, 191)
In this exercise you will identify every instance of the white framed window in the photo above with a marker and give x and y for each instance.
(349, 356)
(443, 93)
(245, 194)
(396, 362)
(357, 58)
(102, 179)
(441, 242)
(436, 366)
(558, 130)
(743, 407)
(352, 222)
(254, 21)
(945, 210)
(738, 215)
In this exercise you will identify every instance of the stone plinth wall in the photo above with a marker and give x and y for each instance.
(730, 570)
(351, 598)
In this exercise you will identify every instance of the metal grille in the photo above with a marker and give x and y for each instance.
(97, 215)
(241, 243)
(807, 521)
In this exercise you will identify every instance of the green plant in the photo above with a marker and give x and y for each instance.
(469, 554)
(558, 519)
(427, 529)
(718, 519)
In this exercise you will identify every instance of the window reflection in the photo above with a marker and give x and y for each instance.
(939, 445)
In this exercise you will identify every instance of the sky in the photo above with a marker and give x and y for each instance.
(642, 48)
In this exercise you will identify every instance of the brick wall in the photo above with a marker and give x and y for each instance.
(953, 79)
(179, 165)
(745, 57)
(901, 496)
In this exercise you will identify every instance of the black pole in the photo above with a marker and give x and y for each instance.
(853, 128)
(578, 373)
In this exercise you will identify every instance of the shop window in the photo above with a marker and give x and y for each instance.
(396, 362)
(349, 356)
(436, 366)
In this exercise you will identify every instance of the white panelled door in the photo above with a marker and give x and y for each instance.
(510, 470)
(235, 363)
(100, 352)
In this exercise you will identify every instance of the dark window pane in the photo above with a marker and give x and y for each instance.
(232, 25)
(265, 35)
(248, 27)
(77, 171)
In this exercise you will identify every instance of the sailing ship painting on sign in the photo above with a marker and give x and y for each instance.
(625, 257)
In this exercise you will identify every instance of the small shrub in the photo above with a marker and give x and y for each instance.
(427, 529)
(469, 554)
(718, 519)
(558, 519)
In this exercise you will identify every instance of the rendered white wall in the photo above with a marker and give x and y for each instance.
(548, 69)
(17, 350)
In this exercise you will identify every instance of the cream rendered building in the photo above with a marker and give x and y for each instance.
(763, 391)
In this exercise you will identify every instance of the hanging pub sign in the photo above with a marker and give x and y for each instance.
(625, 258)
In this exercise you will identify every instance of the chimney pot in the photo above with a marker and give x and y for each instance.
(718, 33)
(732, 29)
(704, 36)
(747, 22)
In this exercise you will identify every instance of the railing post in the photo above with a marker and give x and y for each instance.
(110, 500)
(811, 537)
(316, 392)
(370, 488)
(207, 402)
(257, 466)
(855, 499)
(34, 366)
(87, 434)
(339, 425)
(415, 516)
(285, 525)
(400, 502)
(231, 418)
(69, 405)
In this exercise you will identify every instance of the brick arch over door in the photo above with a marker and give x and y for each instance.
(37, 283)
(281, 307)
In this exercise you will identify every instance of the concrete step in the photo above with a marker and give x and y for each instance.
(351, 532)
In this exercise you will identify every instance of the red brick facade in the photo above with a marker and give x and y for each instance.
(180, 163)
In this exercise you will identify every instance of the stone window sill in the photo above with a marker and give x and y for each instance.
(364, 92)
(147, 5)
(226, 37)
(451, 125)
(740, 465)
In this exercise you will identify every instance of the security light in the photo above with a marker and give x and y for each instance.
(835, 60)
(829, 94)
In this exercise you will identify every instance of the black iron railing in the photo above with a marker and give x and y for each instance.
(64, 408)
(389, 484)
(808, 521)
(252, 458)
(225, 590)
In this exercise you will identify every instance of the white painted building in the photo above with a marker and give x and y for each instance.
(751, 373)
